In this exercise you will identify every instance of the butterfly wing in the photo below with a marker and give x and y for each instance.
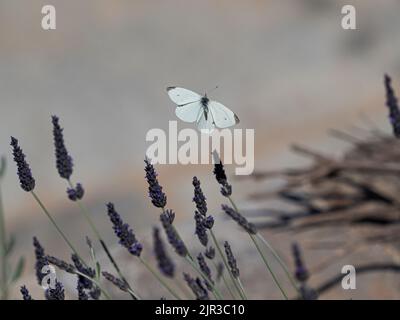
(189, 112)
(205, 124)
(223, 117)
(181, 96)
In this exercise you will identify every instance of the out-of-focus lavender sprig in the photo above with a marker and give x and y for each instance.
(302, 275)
(56, 293)
(41, 260)
(64, 162)
(231, 260)
(165, 264)
(25, 293)
(85, 282)
(239, 219)
(210, 253)
(82, 295)
(116, 281)
(61, 264)
(197, 287)
(301, 272)
(76, 193)
(123, 231)
(173, 237)
(26, 180)
(157, 196)
(206, 271)
(392, 104)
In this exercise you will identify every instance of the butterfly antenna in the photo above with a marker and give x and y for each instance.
(215, 88)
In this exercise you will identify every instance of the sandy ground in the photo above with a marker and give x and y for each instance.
(286, 68)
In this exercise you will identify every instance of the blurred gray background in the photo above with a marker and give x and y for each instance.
(286, 67)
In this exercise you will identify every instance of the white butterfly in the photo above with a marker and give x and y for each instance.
(208, 114)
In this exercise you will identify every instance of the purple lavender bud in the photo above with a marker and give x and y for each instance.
(208, 222)
(81, 292)
(123, 231)
(197, 287)
(165, 263)
(170, 215)
(67, 267)
(116, 281)
(219, 172)
(201, 231)
(95, 293)
(63, 160)
(84, 282)
(231, 260)
(391, 103)
(173, 238)
(41, 260)
(210, 253)
(220, 271)
(239, 219)
(76, 193)
(25, 293)
(205, 269)
(55, 294)
(308, 293)
(26, 180)
(158, 197)
(199, 197)
(301, 272)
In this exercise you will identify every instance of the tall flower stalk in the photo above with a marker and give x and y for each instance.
(203, 225)
(226, 191)
(64, 165)
(159, 200)
(27, 183)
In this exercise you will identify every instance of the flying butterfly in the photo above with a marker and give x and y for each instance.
(208, 114)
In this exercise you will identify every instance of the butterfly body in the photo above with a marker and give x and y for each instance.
(208, 114)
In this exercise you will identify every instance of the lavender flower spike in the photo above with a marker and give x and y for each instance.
(57, 293)
(26, 180)
(197, 287)
(231, 260)
(115, 281)
(240, 220)
(392, 104)
(199, 197)
(25, 293)
(63, 160)
(76, 193)
(41, 260)
(158, 197)
(219, 172)
(301, 273)
(123, 231)
(165, 263)
(173, 238)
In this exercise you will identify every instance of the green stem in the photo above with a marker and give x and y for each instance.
(268, 266)
(215, 291)
(226, 283)
(95, 282)
(3, 244)
(241, 286)
(274, 253)
(56, 226)
(243, 296)
(159, 278)
(280, 261)
(86, 214)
